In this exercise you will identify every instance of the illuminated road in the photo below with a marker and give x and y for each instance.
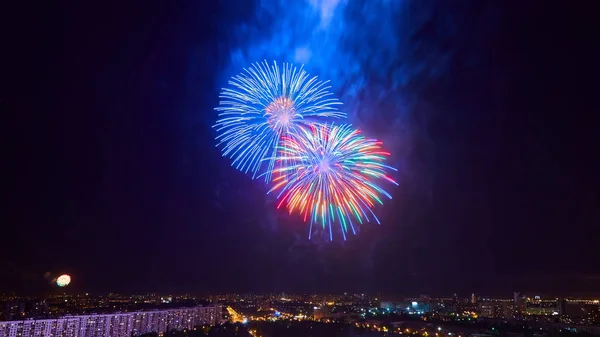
(234, 317)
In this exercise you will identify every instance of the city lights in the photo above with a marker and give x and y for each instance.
(421, 316)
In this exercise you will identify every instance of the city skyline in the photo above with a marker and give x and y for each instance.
(114, 316)
(211, 295)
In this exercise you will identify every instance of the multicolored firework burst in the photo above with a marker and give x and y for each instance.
(264, 104)
(332, 176)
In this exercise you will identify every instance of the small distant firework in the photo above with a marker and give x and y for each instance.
(329, 176)
(63, 280)
(264, 104)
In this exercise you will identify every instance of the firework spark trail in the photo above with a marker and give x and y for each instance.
(328, 175)
(264, 104)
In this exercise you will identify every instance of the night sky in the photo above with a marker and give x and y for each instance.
(111, 173)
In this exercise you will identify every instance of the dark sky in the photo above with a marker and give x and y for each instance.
(112, 175)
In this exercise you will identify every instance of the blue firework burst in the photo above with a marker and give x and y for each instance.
(265, 103)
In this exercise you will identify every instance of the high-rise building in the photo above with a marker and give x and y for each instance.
(114, 325)
(488, 310)
(582, 311)
(473, 299)
(519, 303)
(537, 306)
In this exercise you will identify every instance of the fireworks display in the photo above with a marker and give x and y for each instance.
(333, 176)
(63, 280)
(273, 122)
(264, 104)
